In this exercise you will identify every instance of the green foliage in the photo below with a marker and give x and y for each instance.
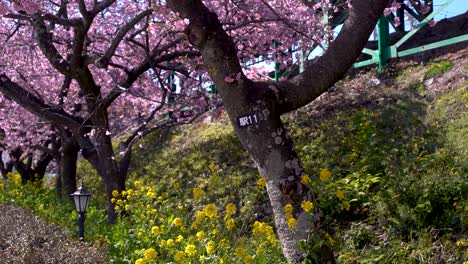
(436, 68)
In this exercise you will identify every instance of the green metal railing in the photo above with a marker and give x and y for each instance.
(385, 51)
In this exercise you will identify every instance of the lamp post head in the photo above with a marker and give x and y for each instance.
(81, 199)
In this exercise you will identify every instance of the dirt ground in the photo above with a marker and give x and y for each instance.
(26, 239)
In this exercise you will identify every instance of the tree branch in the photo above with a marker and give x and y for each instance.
(321, 74)
(36, 106)
(106, 58)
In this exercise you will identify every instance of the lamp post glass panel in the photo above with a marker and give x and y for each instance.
(81, 199)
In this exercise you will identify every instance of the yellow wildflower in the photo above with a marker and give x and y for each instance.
(202, 258)
(117, 208)
(155, 230)
(339, 194)
(127, 207)
(137, 183)
(248, 259)
(346, 205)
(190, 250)
(215, 232)
(150, 254)
(200, 235)
(305, 179)
(179, 256)
(292, 222)
(113, 200)
(140, 234)
(163, 243)
(210, 247)
(177, 221)
(170, 242)
(230, 209)
(140, 261)
(288, 209)
(179, 238)
(230, 223)
(261, 183)
(197, 193)
(210, 210)
(115, 193)
(199, 215)
(307, 206)
(325, 174)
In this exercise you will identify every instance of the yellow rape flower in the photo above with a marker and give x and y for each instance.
(127, 207)
(200, 235)
(261, 183)
(230, 223)
(210, 247)
(170, 242)
(197, 193)
(215, 232)
(292, 222)
(150, 254)
(325, 174)
(163, 243)
(305, 179)
(307, 206)
(288, 209)
(179, 256)
(155, 230)
(179, 238)
(339, 194)
(190, 250)
(137, 183)
(230, 209)
(115, 193)
(199, 215)
(210, 210)
(140, 261)
(177, 221)
(346, 205)
(248, 259)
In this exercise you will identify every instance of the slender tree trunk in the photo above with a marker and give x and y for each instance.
(67, 168)
(3, 168)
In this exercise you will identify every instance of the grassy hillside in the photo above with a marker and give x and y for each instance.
(387, 154)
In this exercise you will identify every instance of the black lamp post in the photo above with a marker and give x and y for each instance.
(81, 198)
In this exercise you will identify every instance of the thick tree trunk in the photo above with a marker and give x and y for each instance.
(272, 149)
(102, 160)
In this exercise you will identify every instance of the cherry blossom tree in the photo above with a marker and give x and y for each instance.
(266, 139)
(96, 71)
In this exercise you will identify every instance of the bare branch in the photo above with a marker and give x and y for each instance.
(36, 106)
(106, 58)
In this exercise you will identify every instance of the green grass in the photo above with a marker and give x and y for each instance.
(436, 68)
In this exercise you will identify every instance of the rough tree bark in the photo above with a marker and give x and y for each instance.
(267, 141)
(67, 166)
